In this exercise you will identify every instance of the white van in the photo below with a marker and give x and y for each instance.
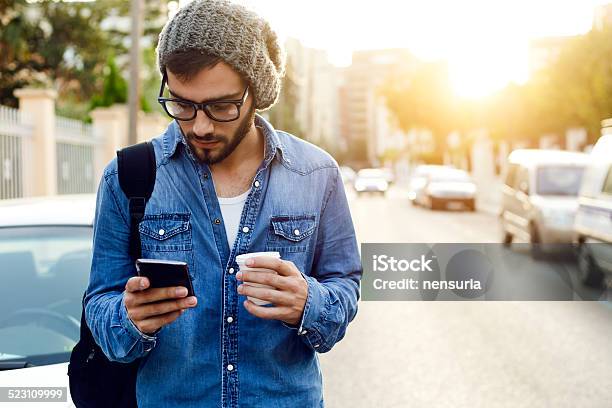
(540, 196)
(593, 227)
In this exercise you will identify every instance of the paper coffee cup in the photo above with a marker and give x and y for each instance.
(241, 259)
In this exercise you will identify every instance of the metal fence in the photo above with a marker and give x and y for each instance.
(76, 145)
(15, 129)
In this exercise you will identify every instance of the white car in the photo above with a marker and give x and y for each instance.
(45, 258)
(371, 180)
(448, 186)
(593, 224)
(418, 179)
(540, 197)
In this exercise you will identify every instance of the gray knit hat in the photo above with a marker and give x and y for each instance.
(233, 33)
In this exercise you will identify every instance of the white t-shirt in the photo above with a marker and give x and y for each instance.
(231, 210)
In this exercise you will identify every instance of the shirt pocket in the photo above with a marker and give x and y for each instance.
(290, 233)
(167, 236)
(165, 232)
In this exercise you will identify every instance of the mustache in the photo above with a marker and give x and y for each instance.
(205, 138)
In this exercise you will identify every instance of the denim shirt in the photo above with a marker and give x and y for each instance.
(218, 354)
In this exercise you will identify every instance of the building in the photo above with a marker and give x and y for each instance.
(316, 96)
(360, 100)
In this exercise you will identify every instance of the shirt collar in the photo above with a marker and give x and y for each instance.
(174, 136)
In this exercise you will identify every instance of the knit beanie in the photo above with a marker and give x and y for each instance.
(238, 36)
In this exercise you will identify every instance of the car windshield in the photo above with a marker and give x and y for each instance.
(559, 180)
(44, 272)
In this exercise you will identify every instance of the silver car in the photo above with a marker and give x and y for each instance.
(418, 179)
(445, 187)
(540, 197)
(371, 180)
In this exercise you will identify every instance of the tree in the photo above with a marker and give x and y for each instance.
(66, 45)
(423, 99)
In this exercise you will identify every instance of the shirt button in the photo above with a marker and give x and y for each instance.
(230, 319)
(230, 367)
(245, 229)
(303, 332)
(296, 231)
(205, 176)
(217, 221)
(256, 183)
(316, 346)
(231, 270)
(162, 232)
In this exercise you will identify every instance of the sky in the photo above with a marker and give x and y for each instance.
(484, 41)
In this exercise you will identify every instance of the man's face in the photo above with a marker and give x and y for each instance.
(213, 141)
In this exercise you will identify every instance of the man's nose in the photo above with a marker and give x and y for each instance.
(203, 125)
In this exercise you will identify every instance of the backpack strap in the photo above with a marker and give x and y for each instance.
(137, 171)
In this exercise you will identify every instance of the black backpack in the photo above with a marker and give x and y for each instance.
(94, 380)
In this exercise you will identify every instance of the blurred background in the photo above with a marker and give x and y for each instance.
(453, 121)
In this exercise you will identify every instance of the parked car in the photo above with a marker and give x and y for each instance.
(447, 186)
(418, 179)
(593, 225)
(371, 180)
(348, 175)
(45, 257)
(540, 197)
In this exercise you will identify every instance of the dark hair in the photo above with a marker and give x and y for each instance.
(185, 64)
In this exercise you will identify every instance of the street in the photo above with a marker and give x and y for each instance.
(464, 354)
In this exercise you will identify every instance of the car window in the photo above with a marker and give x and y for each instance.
(607, 187)
(44, 272)
(559, 180)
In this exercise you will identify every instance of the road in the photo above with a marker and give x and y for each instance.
(464, 354)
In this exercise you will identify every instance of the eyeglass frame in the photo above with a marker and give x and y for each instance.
(200, 106)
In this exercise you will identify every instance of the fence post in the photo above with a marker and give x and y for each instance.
(111, 125)
(39, 104)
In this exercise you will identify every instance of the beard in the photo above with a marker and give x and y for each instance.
(227, 144)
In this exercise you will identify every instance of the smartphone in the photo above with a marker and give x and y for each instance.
(165, 273)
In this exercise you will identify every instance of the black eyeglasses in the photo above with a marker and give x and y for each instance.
(219, 110)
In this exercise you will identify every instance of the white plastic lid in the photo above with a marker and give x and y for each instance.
(241, 259)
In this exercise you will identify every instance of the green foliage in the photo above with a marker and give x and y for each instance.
(66, 45)
(574, 91)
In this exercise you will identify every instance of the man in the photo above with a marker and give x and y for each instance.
(227, 184)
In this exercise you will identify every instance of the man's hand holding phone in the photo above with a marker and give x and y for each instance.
(152, 308)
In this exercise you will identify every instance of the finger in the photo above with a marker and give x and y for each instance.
(150, 325)
(136, 284)
(160, 308)
(272, 295)
(157, 294)
(265, 278)
(285, 268)
(275, 313)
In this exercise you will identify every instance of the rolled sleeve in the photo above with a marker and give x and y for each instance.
(131, 328)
